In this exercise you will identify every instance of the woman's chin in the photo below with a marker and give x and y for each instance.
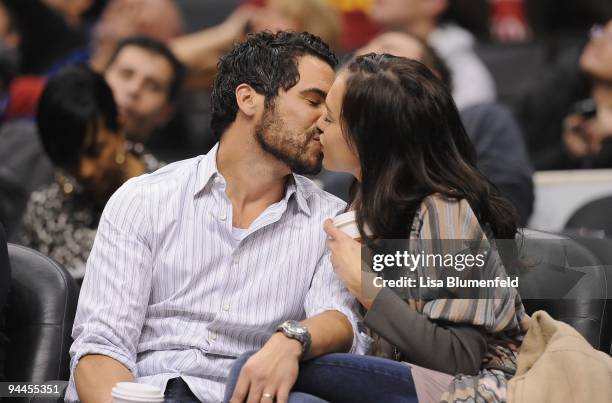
(335, 168)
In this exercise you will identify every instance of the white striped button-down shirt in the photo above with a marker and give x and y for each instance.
(168, 292)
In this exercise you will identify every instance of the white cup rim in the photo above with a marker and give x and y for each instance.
(137, 392)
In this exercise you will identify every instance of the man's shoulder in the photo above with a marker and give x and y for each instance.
(323, 199)
(160, 186)
(167, 177)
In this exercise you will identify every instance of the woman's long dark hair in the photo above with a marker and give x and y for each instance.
(406, 129)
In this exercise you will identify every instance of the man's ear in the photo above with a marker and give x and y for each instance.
(248, 100)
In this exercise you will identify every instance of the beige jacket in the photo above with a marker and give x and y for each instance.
(556, 364)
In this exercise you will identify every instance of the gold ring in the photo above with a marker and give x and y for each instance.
(268, 396)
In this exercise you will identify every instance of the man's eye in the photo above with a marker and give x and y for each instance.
(327, 119)
(313, 103)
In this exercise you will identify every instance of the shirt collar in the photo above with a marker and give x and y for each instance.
(295, 185)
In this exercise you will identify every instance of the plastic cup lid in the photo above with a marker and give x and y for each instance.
(344, 218)
(138, 390)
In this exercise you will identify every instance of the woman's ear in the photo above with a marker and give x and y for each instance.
(248, 100)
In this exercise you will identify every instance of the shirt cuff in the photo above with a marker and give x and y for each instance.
(115, 354)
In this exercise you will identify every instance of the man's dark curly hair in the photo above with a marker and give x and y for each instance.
(265, 61)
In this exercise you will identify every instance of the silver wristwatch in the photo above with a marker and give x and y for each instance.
(295, 330)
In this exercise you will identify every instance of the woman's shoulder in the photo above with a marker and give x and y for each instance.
(445, 217)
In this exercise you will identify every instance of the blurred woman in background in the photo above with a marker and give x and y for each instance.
(79, 128)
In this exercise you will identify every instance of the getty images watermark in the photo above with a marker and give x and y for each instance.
(460, 268)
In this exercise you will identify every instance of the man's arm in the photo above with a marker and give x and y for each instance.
(332, 324)
(113, 299)
(95, 376)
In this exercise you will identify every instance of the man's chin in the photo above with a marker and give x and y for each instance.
(312, 167)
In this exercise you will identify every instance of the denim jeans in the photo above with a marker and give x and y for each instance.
(349, 378)
(177, 391)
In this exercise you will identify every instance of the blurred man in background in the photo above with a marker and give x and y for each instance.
(472, 82)
(146, 79)
(567, 113)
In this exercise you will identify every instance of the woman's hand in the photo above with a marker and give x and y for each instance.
(346, 260)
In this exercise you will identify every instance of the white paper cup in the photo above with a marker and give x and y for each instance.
(347, 223)
(132, 392)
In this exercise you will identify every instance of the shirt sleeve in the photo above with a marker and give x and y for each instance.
(451, 348)
(114, 297)
(327, 293)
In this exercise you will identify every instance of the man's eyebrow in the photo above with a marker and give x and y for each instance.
(314, 90)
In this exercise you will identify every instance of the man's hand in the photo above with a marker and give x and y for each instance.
(270, 374)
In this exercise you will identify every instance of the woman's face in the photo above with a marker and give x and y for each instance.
(337, 154)
(100, 169)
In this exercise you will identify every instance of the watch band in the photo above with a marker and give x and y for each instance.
(295, 330)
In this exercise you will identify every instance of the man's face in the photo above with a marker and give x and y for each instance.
(596, 59)
(288, 129)
(141, 82)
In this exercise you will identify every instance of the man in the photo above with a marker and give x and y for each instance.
(473, 83)
(501, 152)
(204, 259)
(146, 78)
(567, 113)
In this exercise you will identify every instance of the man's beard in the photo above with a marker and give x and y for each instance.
(274, 137)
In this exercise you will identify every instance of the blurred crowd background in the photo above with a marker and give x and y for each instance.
(532, 80)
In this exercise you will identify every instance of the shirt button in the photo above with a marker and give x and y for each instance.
(235, 261)
(217, 179)
(222, 216)
(212, 337)
(226, 307)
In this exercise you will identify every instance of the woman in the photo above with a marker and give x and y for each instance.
(79, 129)
(393, 125)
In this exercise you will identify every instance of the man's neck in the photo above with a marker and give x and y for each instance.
(255, 179)
(602, 94)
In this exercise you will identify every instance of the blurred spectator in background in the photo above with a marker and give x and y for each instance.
(146, 79)
(500, 149)
(77, 12)
(550, 18)
(24, 166)
(472, 82)
(79, 128)
(566, 116)
(47, 41)
(587, 131)
(157, 19)
(314, 16)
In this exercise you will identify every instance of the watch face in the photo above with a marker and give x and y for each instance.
(296, 328)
